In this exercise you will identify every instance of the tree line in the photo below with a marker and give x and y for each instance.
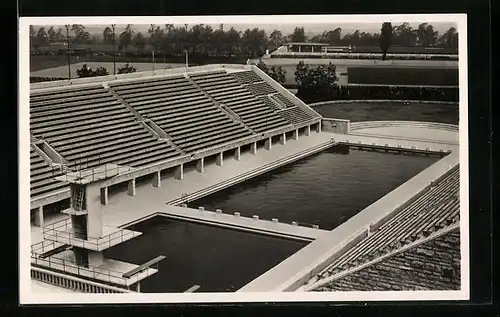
(203, 39)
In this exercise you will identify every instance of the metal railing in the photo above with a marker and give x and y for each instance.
(58, 232)
(73, 283)
(92, 272)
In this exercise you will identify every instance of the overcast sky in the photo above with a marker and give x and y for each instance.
(287, 28)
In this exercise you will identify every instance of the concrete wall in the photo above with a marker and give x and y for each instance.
(340, 126)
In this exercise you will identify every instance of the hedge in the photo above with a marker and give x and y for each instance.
(448, 94)
(36, 79)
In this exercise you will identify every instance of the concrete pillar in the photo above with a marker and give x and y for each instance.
(308, 130)
(220, 159)
(179, 172)
(296, 134)
(253, 148)
(269, 144)
(95, 258)
(104, 196)
(283, 139)
(318, 127)
(138, 288)
(157, 179)
(200, 165)
(39, 217)
(237, 153)
(131, 187)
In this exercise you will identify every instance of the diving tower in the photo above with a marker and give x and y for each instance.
(76, 244)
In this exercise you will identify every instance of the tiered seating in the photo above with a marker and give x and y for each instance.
(89, 127)
(225, 89)
(438, 208)
(42, 175)
(419, 268)
(177, 106)
(283, 100)
(246, 77)
(260, 89)
(268, 102)
(295, 115)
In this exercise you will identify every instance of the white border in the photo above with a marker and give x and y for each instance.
(25, 295)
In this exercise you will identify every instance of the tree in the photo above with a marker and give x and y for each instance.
(299, 35)
(404, 35)
(276, 38)
(385, 38)
(300, 72)
(88, 72)
(426, 35)
(126, 69)
(125, 38)
(139, 41)
(107, 36)
(81, 36)
(318, 83)
(450, 38)
(276, 73)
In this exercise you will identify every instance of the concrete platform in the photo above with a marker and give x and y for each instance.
(111, 236)
(242, 223)
(410, 133)
(110, 271)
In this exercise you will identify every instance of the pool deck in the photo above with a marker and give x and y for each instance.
(249, 224)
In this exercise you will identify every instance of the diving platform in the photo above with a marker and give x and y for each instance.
(64, 232)
(110, 271)
(91, 175)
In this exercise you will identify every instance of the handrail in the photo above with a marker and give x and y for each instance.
(58, 231)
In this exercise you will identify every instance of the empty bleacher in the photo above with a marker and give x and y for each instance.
(283, 100)
(261, 89)
(42, 175)
(436, 209)
(225, 89)
(295, 115)
(419, 268)
(89, 127)
(190, 119)
(246, 77)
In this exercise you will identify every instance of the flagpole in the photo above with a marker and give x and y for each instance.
(153, 52)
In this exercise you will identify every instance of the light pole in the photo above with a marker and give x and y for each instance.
(114, 54)
(68, 52)
(187, 61)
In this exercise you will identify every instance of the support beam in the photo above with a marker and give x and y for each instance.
(296, 134)
(269, 144)
(253, 148)
(157, 179)
(283, 139)
(200, 165)
(220, 159)
(318, 127)
(308, 130)
(131, 187)
(104, 196)
(138, 288)
(237, 153)
(39, 217)
(179, 172)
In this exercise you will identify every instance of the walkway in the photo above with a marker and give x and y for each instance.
(123, 209)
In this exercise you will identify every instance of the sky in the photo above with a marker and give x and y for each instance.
(310, 29)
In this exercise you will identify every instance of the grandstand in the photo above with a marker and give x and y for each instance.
(149, 123)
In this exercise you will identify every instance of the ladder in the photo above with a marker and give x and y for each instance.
(78, 199)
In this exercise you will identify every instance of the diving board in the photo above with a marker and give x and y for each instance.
(143, 267)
